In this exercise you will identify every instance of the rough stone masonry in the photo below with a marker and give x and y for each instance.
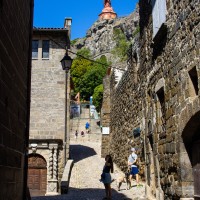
(162, 101)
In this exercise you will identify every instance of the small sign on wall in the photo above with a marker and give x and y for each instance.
(105, 130)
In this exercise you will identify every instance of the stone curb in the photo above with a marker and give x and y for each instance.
(66, 177)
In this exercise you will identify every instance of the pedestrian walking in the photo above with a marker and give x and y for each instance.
(106, 178)
(76, 134)
(87, 126)
(82, 133)
(132, 160)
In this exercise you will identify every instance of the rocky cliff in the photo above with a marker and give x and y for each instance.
(99, 38)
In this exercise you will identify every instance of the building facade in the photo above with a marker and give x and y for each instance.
(169, 62)
(156, 107)
(49, 141)
(15, 71)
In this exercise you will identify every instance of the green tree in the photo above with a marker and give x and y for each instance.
(79, 67)
(86, 74)
(90, 80)
(98, 97)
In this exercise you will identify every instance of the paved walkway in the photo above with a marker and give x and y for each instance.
(84, 183)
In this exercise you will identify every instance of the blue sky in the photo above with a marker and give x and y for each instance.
(51, 13)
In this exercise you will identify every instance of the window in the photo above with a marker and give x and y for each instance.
(161, 110)
(35, 48)
(45, 49)
(40, 49)
(158, 14)
(193, 82)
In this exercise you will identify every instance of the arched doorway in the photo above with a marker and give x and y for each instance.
(37, 175)
(191, 140)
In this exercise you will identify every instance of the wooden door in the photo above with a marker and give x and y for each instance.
(196, 169)
(37, 176)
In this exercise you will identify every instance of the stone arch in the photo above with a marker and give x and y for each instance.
(36, 160)
(160, 84)
(189, 149)
(37, 174)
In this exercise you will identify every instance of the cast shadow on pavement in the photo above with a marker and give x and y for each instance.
(79, 152)
(85, 194)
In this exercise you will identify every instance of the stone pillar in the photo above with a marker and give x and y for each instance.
(55, 163)
(50, 168)
(52, 185)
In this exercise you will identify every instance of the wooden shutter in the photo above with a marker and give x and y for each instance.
(159, 14)
(155, 13)
(162, 11)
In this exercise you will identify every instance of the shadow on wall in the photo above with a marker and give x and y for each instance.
(84, 194)
(80, 152)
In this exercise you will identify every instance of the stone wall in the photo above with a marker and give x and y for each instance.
(162, 99)
(15, 68)
(126, 116)
(105, 116)
(125, 112)
(48, 96)
(167, 63)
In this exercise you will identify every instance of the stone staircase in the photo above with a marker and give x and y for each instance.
(78, 123)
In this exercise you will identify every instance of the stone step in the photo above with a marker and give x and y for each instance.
(87, 137)
(79, 124)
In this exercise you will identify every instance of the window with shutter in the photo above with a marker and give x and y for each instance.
(158, 14)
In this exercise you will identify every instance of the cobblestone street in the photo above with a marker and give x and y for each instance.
(84, 182)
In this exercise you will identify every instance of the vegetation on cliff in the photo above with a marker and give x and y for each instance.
(122, 44)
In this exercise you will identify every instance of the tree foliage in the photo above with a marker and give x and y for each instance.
(88, 75)
(79, 68)
(98, 97)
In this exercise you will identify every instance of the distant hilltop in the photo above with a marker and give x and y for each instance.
(99, 38)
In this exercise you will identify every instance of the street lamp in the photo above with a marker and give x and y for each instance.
(66, 62)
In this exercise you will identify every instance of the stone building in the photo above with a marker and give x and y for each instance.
(156, 105)
(49, 139)
(16, 19)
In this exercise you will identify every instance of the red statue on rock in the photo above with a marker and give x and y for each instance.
(107, 12)
(107, 3)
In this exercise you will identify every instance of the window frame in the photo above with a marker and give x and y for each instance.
(37, 49)
(47, 50)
